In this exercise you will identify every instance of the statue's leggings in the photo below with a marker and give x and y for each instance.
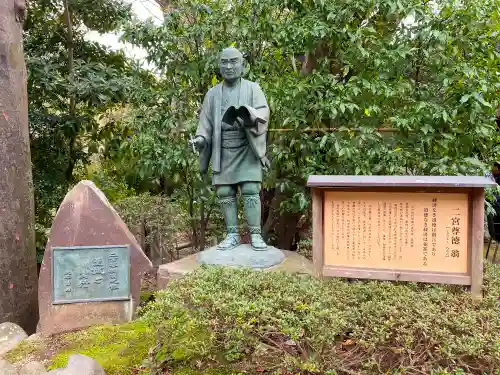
(251, 200)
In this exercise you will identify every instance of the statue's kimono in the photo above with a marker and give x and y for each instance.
(235, 151)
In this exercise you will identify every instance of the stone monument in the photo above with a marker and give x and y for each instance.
(231, 135)
(92, 267)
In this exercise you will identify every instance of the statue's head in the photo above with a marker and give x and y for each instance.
(231, 64)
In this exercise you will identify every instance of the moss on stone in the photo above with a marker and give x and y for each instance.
(25, 349)
(147, 296)
(118, 348)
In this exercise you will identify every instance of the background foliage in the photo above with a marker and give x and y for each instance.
(72, 84)
(367, 87)
(352, 66)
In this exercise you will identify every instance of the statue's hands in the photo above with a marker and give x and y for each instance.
(266, 164)
(198, 142)
(240, 122)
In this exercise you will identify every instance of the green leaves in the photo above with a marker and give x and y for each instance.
(64, 138)
(333, 72)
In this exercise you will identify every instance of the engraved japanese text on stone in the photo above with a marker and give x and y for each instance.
(90, 274)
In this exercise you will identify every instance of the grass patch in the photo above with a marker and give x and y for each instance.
(258, 322)
(118, 348)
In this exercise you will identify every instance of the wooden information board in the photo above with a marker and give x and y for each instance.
(427, 229)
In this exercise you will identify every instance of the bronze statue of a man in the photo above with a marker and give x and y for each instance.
(232, 134)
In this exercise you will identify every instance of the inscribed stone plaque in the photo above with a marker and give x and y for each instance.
(90, 274)
(405, 231)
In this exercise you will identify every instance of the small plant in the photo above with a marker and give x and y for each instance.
(304, 248)
(153, 221)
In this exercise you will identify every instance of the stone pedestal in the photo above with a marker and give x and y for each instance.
(243, 256)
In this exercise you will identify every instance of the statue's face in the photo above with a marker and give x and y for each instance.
(231, 64)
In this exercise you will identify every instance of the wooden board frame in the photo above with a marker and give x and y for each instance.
(475, 192)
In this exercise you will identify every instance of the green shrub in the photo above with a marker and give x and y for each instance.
(114, 188)
(154, 218)
(274, 320)
(164, 221)
(304, 248)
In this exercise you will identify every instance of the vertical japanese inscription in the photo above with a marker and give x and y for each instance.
(97, 269)
(86, 274)
(370, 238)
(395, 238)
(412, 227)
(407, 224)
(338, 221)
(67, 282)
(397, 230)
(359, 226)
(425, 237)
(389, 232)
(336, 227)
(401, 232)
(379, 225)
(365, 231)
(384, 231)
(434, 226)
(83, 279)
(348, 230)
(455, 235)
(343, 223)
(113, 271)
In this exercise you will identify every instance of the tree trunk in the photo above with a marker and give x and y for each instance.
(282, 227)
(18, 280)
(72, 99)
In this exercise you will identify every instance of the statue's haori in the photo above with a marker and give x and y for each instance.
(232, 135)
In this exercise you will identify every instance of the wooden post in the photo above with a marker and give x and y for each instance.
(317, 224)
(477, 242)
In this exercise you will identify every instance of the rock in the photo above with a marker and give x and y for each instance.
(10, 335)
(86, 218)
(32, 368)
(6, 368)
(79, 364)
(34, 337)
(242, 256)
(293, 263)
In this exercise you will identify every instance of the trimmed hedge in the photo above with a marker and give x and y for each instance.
(275, 322)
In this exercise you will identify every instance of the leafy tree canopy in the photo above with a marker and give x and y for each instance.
(72, 83)
(426, 71)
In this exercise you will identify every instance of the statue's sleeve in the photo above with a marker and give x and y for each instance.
(205, 123)
(259, 117)
(259, 112)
